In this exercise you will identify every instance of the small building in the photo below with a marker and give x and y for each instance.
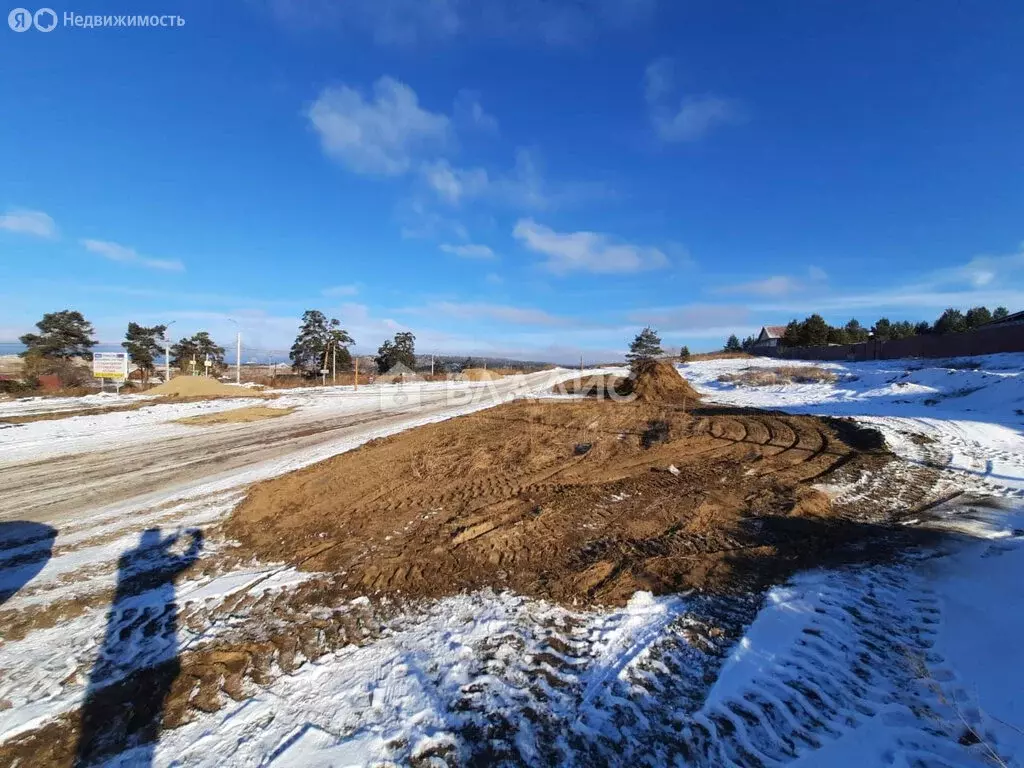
(399, 373)
(770, 336)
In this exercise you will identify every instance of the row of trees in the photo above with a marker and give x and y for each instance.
(66, 336)
(814, 331)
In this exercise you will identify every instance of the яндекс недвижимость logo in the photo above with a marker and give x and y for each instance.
(22, 19)
(46, 20)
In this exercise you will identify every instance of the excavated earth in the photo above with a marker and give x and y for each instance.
(577, 502)
(580, 501)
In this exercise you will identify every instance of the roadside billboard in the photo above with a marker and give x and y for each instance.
(110, 365)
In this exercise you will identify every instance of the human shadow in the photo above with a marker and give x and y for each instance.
(25, 548)
(138, 661)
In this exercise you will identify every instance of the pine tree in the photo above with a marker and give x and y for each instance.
(855, 332)
(143, 346)
(644, 348)
(316, 341)
(62, 335)
(814, 332)
(903, 329)
(793, 335)
(1000, 313)
(951, 321)
(684, 353)
(975, 317)
(199, 348)
(732, 344)
(400, 350)
(882, 329)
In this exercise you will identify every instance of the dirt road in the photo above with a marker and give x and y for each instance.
(52, 490)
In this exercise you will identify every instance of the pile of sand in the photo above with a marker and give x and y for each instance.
(660, 382)
(199, 386)
(237, 416)
(479, 374)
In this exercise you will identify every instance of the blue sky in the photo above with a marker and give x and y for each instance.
(537, 178)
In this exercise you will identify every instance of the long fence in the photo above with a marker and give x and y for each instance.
(983, 341)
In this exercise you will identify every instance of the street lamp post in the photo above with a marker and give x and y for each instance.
(167, 352)
(238, 351)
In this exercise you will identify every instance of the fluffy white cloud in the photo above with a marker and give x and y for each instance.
(383, 135)
(586, 251)
(453, 184)
(693, 117)
(126, 255)
(468, 250)
(26, 222)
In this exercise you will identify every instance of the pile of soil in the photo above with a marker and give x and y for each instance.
(479, 374)
(193, 386)
(660, 382)
(578, 502)
(236, 416)
(599, 385)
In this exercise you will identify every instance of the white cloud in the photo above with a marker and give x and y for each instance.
(126, 255)
(694, 117)
(382, 136)
(470, 113)
(658, 80)
(26, 222)
(340, 290)
(454, 184)
(586, 251)
(817, 273)
(780, 285)
(523, 187)
(410, 22)
(499, 312)
(468, 250)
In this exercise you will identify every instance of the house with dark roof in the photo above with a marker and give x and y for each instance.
(770, 336)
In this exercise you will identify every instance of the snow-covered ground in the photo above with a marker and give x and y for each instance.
(963, 414)
(913, 663)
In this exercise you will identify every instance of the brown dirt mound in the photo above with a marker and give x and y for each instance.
(660, 382)
(236, 416)
(479, 374)
(601, 386)
(585, 501)
(191, 386)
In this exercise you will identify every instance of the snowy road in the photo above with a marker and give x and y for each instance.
(54, 468)
(913, 663)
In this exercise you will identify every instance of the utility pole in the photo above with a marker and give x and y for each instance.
(581, 362)
(355, 381)
(238, 359)
(334, 363)
(431, 365)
